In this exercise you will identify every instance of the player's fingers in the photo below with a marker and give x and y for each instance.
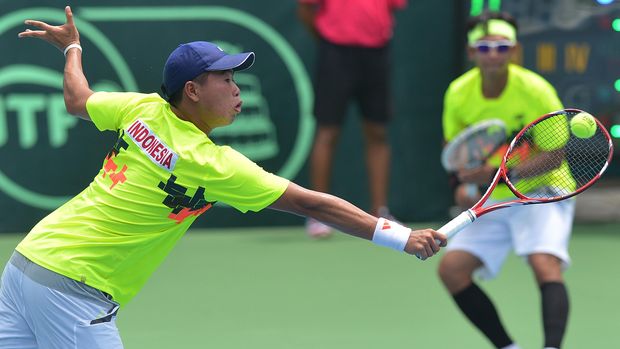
(38, 24)
(422, 254)
(434, 244)
(429, 250)
(31, 34)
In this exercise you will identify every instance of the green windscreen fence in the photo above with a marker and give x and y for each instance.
(48, 156)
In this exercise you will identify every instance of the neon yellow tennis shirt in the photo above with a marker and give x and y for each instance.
(161, 174)
(526, 97)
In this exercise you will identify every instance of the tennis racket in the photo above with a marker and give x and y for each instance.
(472, 147)
(545, 162)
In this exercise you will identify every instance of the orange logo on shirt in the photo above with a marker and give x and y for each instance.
(183, 206)
(110, 167)
(186, 212)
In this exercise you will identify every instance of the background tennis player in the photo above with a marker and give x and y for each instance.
(497, 89)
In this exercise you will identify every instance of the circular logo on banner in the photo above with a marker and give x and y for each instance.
(33, 119)
(274, 129)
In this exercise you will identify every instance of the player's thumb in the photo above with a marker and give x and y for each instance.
(69, 15)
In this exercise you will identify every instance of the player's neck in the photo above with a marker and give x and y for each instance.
(190, 116)
(493, 84)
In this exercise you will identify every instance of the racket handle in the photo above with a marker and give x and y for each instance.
(455, 225)
(458, 223)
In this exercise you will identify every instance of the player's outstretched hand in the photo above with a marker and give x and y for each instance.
(425, 243)
(60, 36)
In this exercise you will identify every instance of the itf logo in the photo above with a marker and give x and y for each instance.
(48, 155)
(42, 147)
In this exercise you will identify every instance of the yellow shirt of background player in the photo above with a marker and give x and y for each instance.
(526, 97)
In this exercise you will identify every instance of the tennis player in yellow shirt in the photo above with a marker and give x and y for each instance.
(66, 280)
(497, 89)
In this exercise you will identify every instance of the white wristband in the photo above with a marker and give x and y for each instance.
(78, 46)
(391, 234)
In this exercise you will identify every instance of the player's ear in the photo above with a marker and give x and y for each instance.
(191, 91)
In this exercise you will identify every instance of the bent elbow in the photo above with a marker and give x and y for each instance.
(71, 107)
(76, 105)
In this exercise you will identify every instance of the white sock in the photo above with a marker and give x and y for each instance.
(512, 346)
(550, 348)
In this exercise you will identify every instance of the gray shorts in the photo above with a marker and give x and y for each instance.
(41, 309)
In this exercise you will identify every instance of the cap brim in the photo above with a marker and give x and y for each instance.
(240, 61)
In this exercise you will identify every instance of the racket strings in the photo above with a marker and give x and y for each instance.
(548, 161)
(587, 157)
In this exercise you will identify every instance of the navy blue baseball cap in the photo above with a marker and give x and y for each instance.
(190, 60)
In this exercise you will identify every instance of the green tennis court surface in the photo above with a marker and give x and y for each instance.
(274, 288)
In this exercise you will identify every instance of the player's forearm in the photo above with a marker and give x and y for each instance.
(76, 88)
(349, 219)
(328, 209)
(343, 216)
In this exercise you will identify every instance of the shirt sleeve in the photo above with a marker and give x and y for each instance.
(235, 180)
(108, 110)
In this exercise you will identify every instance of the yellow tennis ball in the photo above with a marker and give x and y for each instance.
(583, 125)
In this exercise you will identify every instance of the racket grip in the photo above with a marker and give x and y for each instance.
(458, 223)
(455, 225)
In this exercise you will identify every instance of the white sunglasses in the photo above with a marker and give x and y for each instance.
(501, 46)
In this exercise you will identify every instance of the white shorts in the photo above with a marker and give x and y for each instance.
(529, 229)
(40, 309)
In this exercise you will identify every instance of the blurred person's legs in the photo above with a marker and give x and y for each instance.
(553, 296)
(362, 74)
(544, 241)
(480, 249)
(321, 160)
(373, 94)
(334, 85)
(322, 156)
(455, 270)
(378, 164)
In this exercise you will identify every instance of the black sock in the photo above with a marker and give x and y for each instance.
(479, 309)
(555, 306)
